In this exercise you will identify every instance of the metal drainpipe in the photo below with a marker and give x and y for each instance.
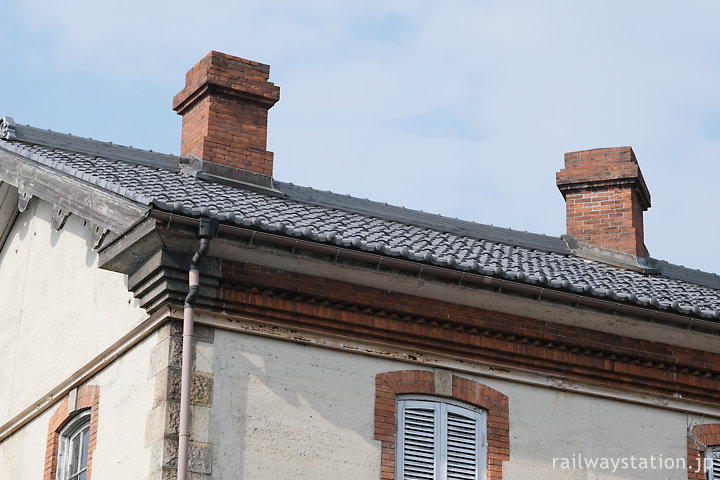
(207, 230)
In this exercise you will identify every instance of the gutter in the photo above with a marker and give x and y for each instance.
(207, 229)
(467, 278)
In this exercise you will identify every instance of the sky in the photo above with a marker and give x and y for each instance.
(463, 108)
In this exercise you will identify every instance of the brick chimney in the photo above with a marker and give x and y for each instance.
(225, 106)
(605, 196)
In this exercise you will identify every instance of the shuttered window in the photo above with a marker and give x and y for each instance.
(440, 441)
(712, 463)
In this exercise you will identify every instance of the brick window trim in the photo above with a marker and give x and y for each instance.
(700, 437)
(78, 401)
(391, 384)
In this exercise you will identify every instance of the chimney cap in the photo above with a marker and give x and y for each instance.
(230, 75)
(602, 168)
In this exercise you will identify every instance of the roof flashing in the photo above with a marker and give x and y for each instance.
(609, 257)
(230, 176)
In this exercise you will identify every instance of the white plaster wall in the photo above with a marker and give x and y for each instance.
(22, 455)
(284, 410)
(58, 309)
(549, 424)
(126, 397)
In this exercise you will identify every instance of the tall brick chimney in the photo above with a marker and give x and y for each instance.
(605, 196)
(224, 108)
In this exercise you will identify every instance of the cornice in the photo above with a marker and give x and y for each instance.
(156, 258)
(500, 340)
(397, 320)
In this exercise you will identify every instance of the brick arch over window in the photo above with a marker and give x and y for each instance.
(79, 400)
(699, 438)
(440, 384)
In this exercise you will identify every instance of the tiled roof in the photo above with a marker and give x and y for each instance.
(154, 179)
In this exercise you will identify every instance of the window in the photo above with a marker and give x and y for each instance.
(440, 440)
(712, 463)
(73, 451)
(72, 435)
(441, 387)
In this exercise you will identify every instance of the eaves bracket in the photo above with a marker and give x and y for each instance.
(60, 215)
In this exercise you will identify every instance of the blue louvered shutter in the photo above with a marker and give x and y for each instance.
(418, 439)
(440, 441)
(463, 443)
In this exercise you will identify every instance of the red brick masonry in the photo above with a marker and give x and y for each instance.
(225, 106)
(605, 196)
(423, 325)
(87, 397)
(389, 385)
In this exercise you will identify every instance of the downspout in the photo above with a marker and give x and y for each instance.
(207, 230)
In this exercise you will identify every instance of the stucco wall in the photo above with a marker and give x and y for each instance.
(549, 424)
(282, 410)
(126, 397)
(58, 310)
(23, 454)
(285, 410)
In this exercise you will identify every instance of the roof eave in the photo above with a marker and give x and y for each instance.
(103, 209)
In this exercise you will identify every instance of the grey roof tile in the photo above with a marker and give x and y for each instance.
(371, 226)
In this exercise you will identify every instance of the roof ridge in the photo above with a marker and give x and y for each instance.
(419, 218)
(19, 136)
(387, 230)
(90, 146)
(686, 274)
(491, 233)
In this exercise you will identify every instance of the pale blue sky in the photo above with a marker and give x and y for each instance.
(458, 108)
